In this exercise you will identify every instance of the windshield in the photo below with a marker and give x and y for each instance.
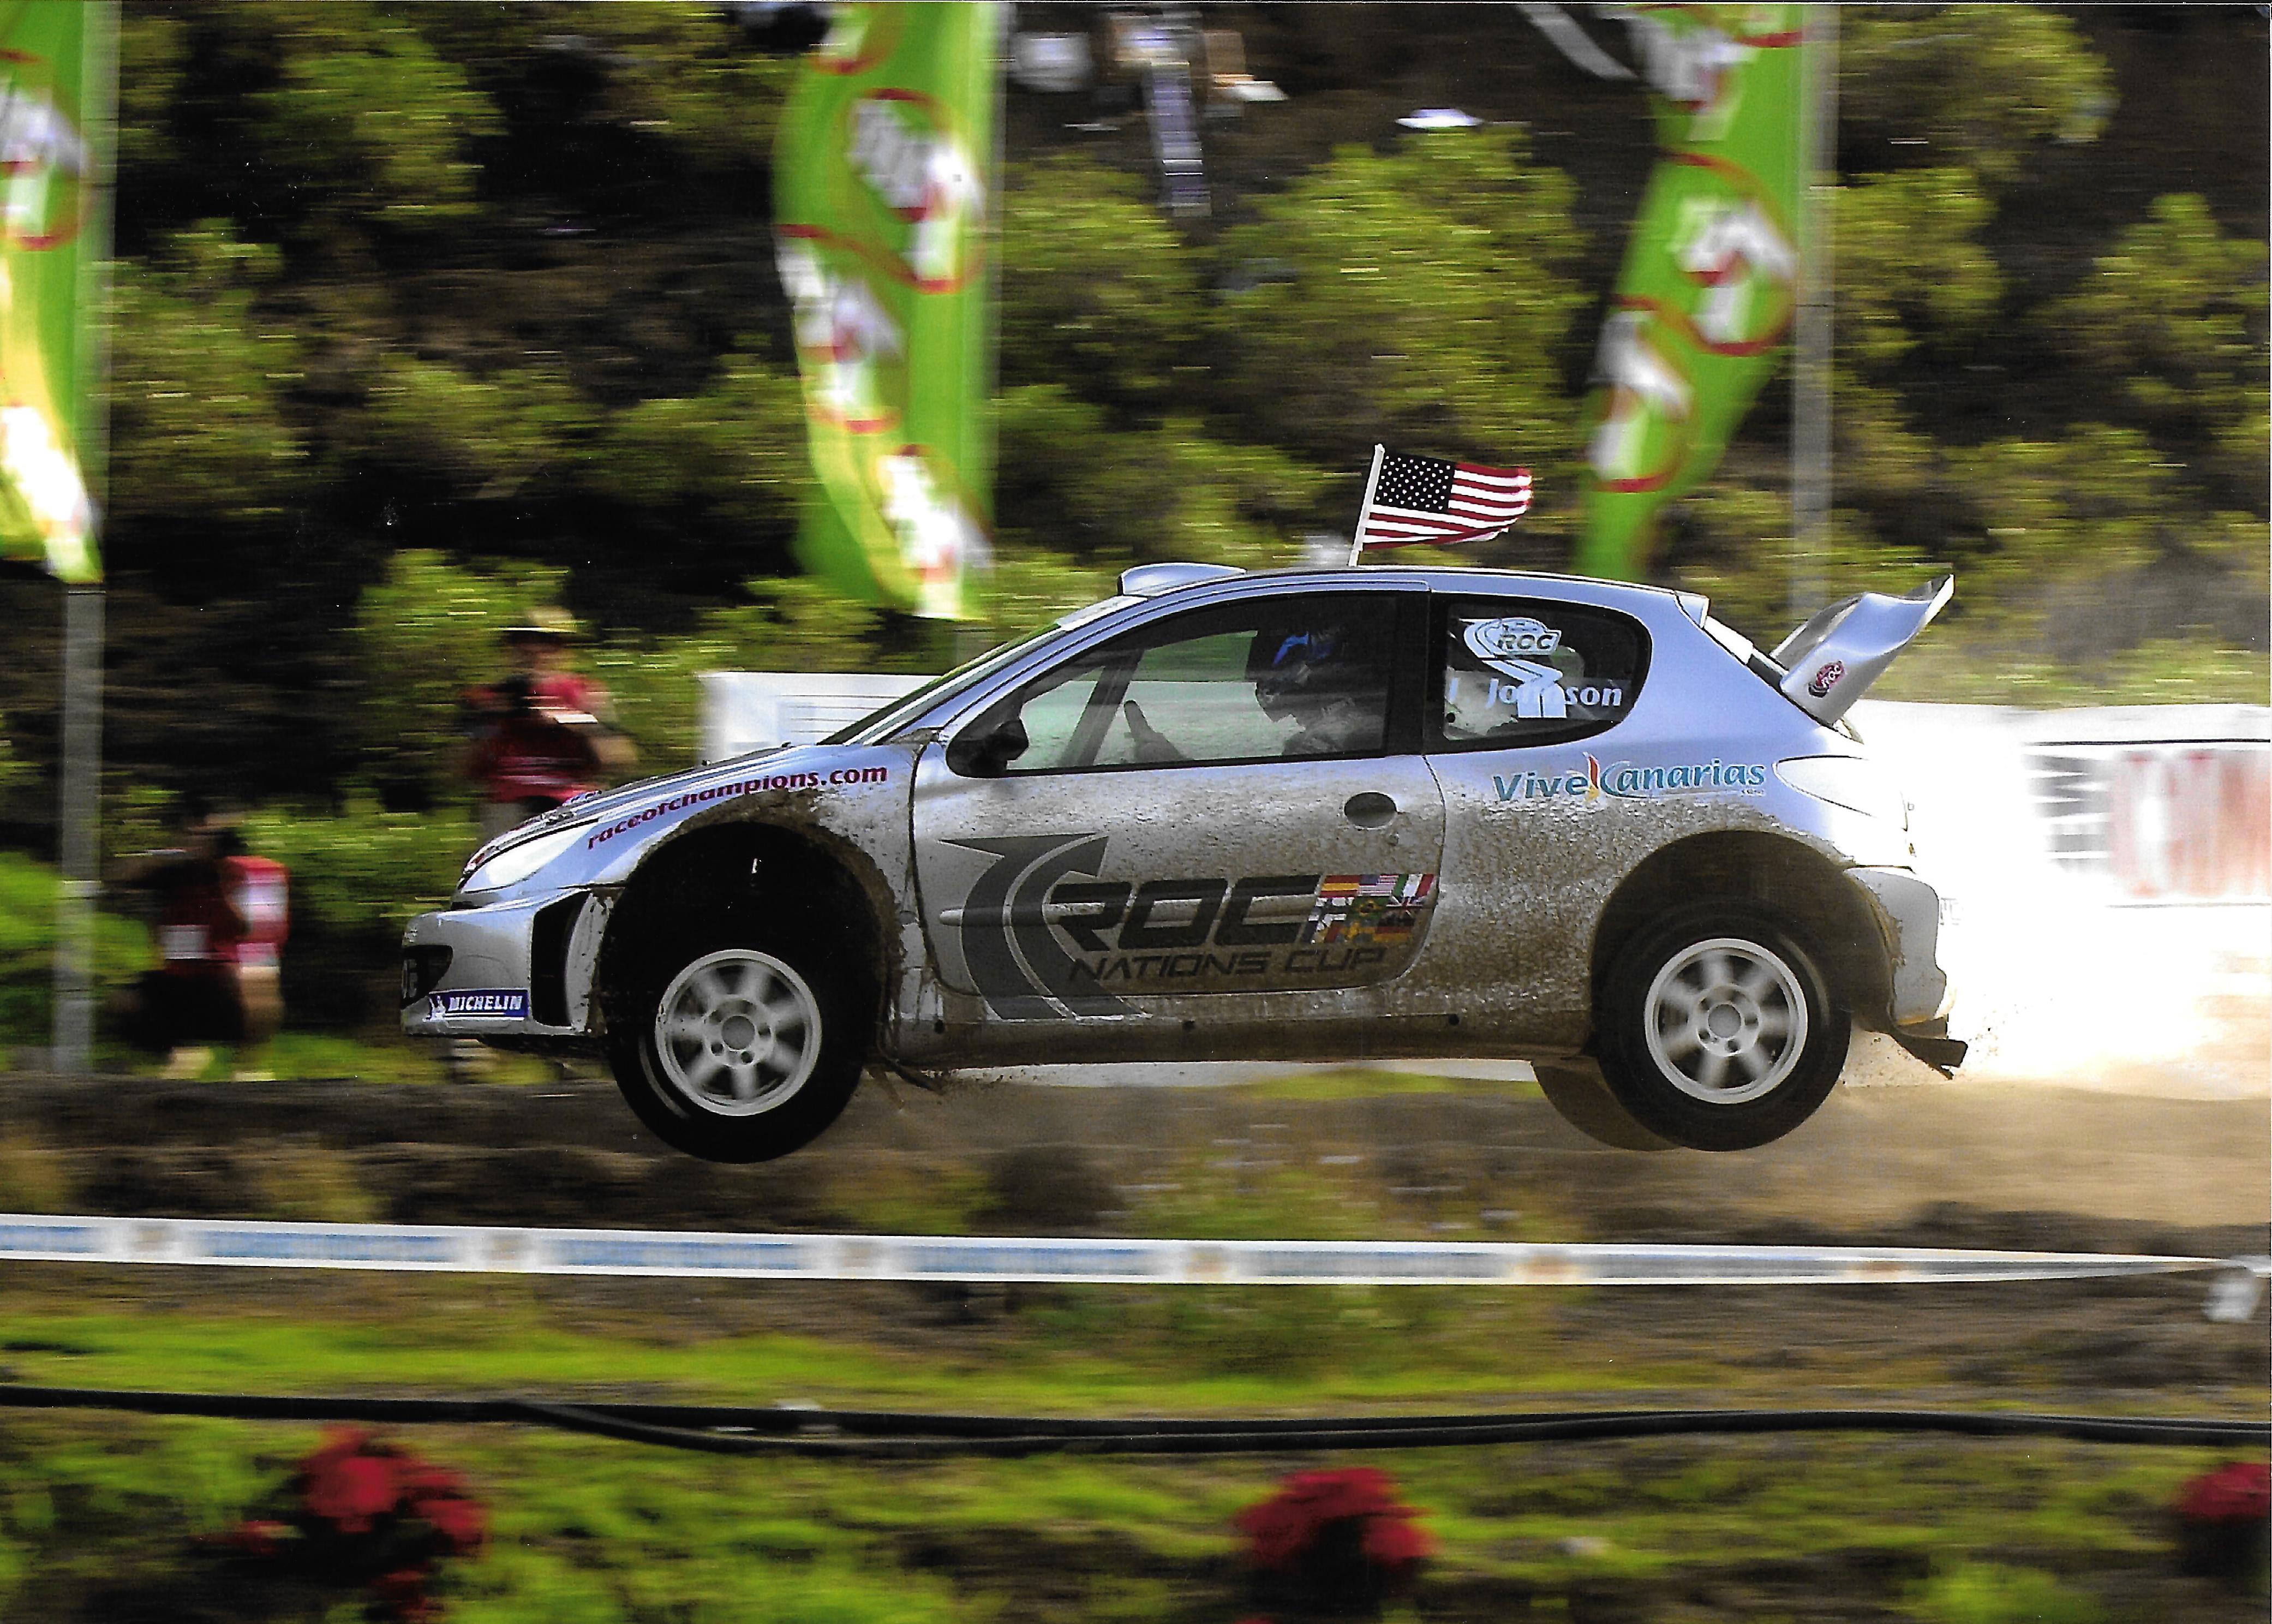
(879, 725)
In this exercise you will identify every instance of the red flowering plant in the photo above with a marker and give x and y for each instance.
(1332, 1545)
(2224, 1522)
(366, 1512)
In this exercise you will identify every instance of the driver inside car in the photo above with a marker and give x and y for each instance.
(1316, 679)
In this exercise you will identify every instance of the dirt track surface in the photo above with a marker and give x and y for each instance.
(1953, 1164)
(1873, 1161)
(1941, 1166)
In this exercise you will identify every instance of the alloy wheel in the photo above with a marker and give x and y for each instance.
(737, 1032)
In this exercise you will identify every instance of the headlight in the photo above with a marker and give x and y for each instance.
(1851, 781)
(516, 864)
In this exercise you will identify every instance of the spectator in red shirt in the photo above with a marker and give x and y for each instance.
(259, 892)
(222, 917)
(543, 734)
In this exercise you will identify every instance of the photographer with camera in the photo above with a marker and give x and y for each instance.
(543, 734)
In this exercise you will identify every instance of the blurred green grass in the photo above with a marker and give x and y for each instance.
(589, 1530)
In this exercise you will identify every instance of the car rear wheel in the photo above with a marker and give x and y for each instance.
(740, 1053)
(1717, 1031)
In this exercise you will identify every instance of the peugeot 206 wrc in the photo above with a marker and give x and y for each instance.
(1310, 815)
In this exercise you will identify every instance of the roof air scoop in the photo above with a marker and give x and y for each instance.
(1149, 580)
(1833, 658)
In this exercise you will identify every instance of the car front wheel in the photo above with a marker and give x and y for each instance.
(1717, 1031)
(739, 1053)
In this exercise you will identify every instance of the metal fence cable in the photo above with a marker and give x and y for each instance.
(871, 1434)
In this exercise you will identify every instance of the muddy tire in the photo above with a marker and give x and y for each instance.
(1716, 1029)
(736, 1049)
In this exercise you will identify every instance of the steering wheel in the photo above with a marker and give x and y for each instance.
(1151, 744)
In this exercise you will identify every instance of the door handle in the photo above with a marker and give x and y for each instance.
(1368, 809)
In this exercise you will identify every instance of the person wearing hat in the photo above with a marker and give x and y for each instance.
(543, 734)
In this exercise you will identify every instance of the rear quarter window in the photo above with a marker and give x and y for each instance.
(1514, 672)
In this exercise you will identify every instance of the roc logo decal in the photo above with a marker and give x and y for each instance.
(1041, 943)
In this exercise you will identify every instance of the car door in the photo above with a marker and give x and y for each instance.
(1223, 803)
(1527, 696)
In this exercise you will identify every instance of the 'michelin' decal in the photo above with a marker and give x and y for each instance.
(502, 1003)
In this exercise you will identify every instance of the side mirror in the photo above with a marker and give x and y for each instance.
(987, 752)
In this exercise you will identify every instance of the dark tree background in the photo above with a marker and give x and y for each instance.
(424, 312)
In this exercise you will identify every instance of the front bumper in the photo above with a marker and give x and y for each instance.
(1917, 989)
(511, 971)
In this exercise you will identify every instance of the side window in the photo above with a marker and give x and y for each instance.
(1522, 672)
(1192, 695)
(1280, 678)
(1052, 713)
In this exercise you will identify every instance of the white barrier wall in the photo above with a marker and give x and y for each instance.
(2110, 876)
(711, 1254)
(2140, 806)
(759, 710)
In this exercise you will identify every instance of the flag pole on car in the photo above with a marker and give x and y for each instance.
(1372, 483)
(1425, 500)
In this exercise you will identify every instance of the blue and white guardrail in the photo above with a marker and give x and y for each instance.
(694, 1254)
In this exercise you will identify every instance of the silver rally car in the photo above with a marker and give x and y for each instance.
(1307, 815)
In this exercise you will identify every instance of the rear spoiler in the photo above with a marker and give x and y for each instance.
(1831, 660)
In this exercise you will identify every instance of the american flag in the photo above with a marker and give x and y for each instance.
(1424, 499)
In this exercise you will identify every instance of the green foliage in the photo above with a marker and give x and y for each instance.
(422, 636)
(676, 75)
(2054, 452)
(1734, 545)
(375, 124)
(364, 871)
(1416, 296)
(431, 630)
(201, 429)
(2094, 502)
(1028, 589)
(792, 625)
(1909, 258)
(2163, 671)
(1991, 1593)
(29, 891)
(732, 455)
(1120, 496)
(2161, 338)
(1098, 291)
(1981, 86)
(2186, 672)
(14, 771)
(2174, 322)
(359, 873)
(151, 47)
(485, 437)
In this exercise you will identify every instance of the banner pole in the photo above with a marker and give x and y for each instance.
(78, 808)
(1810, 362)
(79, 787)
(1356, 541)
